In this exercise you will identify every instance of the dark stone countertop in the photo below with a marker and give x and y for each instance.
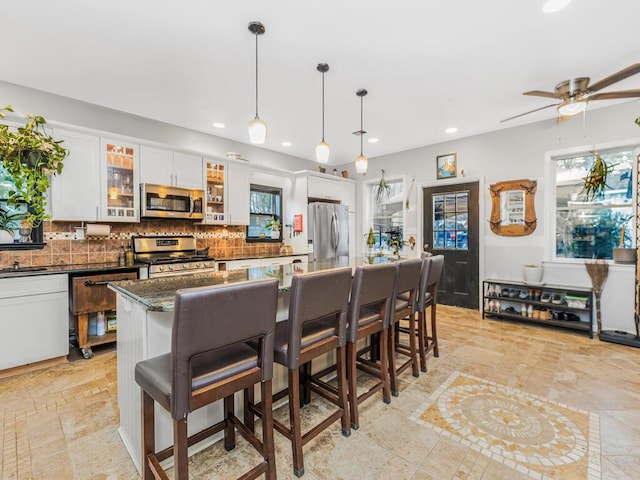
(157, 294)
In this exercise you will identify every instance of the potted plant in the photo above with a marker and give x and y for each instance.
(29, 155)
(9, 222)
(275, 226)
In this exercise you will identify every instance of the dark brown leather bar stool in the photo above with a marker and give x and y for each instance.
(403, 306)
(209, 361)
(427, 298)
(316, 325)
(369, 310)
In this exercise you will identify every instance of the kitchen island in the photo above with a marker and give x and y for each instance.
(145, 314)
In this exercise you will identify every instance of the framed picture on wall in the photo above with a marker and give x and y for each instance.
(446, 166)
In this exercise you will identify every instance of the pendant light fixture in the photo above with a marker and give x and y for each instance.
(257, 128)
(362, 163)
(323, 149)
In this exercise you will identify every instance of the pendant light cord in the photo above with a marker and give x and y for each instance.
(323, 106)
(256, 75)
(361, 123)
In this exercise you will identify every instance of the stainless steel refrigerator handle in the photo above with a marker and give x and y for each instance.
(337, 245)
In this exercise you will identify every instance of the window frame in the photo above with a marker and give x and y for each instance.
(265, 189)
(551, 200)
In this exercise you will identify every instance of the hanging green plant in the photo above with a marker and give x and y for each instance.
(595, 182)
(29, 155)
(382, 190)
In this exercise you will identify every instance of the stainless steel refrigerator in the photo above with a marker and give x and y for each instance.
(329, 230)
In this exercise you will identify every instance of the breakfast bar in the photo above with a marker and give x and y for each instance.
(145, 312)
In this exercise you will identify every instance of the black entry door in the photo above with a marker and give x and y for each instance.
(451, 228)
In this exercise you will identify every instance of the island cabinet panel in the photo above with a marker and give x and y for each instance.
(34, 319)
(75, 193)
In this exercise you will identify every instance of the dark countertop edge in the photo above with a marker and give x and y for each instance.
(104, 266)
(74, 268)
(152, 307)
(260, 257)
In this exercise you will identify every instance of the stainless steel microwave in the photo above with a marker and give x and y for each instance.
(164, 201)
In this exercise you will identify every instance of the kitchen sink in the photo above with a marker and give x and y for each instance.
(22, 269)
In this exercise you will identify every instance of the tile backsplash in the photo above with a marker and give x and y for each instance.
(63, 249)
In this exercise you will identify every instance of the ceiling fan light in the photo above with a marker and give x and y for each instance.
(257, 131)
(572, 107)
(552, 6)
(322, 152)
(362, 163)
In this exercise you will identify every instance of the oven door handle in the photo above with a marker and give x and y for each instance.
(91, 283)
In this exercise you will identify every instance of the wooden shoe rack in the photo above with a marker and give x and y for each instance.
(552, 305)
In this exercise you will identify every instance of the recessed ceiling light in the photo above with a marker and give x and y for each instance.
(219, 125)
(373, 140)
(286, 144)
(451, 130)
(554, 5)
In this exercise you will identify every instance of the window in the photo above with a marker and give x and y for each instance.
(451, 221)
(385, 214)
(592, 228)
(265, 206)
(6, 185)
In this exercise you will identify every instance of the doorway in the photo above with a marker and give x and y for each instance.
(451, 228)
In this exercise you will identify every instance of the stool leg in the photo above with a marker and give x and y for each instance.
(268, 451)
(342, 389)
(384, 366)
(421, 336)
(294, 422)
(412, 345)
(353, 385)
(434, 334)
(180, 449)
(305, 390)
(391, 346)
(248, 414)
(148, 435)
(229, 431)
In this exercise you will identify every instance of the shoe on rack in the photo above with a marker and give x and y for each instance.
(556, 299)
(546, 297)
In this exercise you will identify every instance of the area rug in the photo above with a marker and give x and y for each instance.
(531, 434)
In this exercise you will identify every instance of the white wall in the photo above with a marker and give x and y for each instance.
(511, 154)
(63, 111)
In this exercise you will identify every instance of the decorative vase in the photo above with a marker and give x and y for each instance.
(624, 255)
(532, 273)
(275, 234)
(25, 235)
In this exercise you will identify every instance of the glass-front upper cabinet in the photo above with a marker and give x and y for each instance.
(120, 194)
(216, 175)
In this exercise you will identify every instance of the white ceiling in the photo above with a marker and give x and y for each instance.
(427, 65)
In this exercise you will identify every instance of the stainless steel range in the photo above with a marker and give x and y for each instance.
(172, 255)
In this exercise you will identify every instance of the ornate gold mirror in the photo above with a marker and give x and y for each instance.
(513, 212)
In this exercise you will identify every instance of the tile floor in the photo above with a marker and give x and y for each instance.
(61, 423)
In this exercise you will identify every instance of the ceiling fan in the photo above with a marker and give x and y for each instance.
(576, 93)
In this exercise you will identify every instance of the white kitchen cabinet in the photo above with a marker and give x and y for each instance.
(73, 194)
(187, 170)
(332, 189)
(164, 167)
(34, 319)
(119, 179)
(239, 264)
(238, 194)
(261, 262)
